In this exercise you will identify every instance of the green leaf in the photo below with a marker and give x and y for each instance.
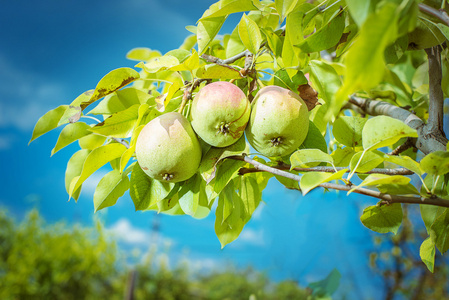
(229, 217)
(314, 139)
(207, 29)
(440, 231)
(383, 219)
(369, 161)
(74, 112)
(69, 134)
(91, 141)
(250, 34)
(436, 163)
(250, 194)
(226, 172)
(360, 10)
(142, 54)
(348, 130)
(326, 37)
(427, 253)
(145, 191)
(74, 169)
(287, 182)
(377, 179)
(95, 160)
(324, 79)
(163, 100)
(365, 60)
(121, 100)
(282, 79)
(284, 7)
(234, 45)
(190, 194)
(307, 158)
(114, 80)
(191, 63)
(342, 156)
(160, 63)
(48, 122)
(224, 8)
(119, 125)
(398, 189)
(428, 214)
(311, 180)
(214, 156)
(126, 156)
(383, 131)
(213, 71)
(325, 288)
(273, 40)
(406, 162)
(111, 187)
(293, 35)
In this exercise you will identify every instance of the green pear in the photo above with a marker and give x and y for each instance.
(167, 148)
(220, 112)
(279, 121)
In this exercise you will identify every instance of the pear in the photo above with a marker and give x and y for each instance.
(279, 121)
(220, 112)
(167, 148)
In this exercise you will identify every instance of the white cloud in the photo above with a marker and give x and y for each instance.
(125, 232)
(25, 96)
(254, 237)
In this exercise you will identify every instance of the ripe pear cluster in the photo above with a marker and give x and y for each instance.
(275, 123)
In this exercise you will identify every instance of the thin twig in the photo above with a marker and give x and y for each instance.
(388, 199)
(440, 14)
(410, 142)
(398, 171)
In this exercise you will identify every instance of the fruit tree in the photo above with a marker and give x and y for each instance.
(337, 95)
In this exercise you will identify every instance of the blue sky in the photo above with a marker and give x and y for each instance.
(51, 51)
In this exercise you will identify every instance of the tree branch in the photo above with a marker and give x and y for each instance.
(388, 199)
(121, 141)
(227, 61)
(426, 142)
(440, 14)
(398, 171)
(436, 97)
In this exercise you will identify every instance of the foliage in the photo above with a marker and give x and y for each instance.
(379, 105)
(38, 261)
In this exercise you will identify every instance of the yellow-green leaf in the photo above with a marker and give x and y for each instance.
(69, 134)
(95, 160)
(383, 219)
(74, 169)
(160, 63)
(120, 124)
(427, 253)
(250, 34)
(306, 158)
(48, 121)
(207, 29)
(214, 71)
(111, 187)
(311, 180)
(142, 54)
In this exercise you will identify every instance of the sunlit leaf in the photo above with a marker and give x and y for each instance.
(284, 7)
(369, 161)
(439, 231)
(213, 71)
(48, 121)
(383, 219)
(120, 100)
(207, 29)
(74, 169)
(311, 180)
(383, 131)
(142, 54)
(126, 156)
(95, 160)
(145, 191)
(324, 79)
(226, 171)
(427, 253)
(250, 34)
(348, 130)
(160, 63)
(114, 80)
(342, 156)
(406, 162)
(69, 134)
(91, 141)
(305, 158)
(377, 179)
(111, 187)
(190, 194)
(224, 8)
(314, 139)
(250, 194)
(326, 37)
(120, 124)
(436, 163)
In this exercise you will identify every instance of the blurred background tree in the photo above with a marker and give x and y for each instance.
(39, 261)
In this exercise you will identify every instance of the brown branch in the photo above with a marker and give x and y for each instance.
(410, 142)
(387, 198)
(398, 171)
(436, 97)
(188, 93)
(440, 14)
(426, 142)
(227, 61)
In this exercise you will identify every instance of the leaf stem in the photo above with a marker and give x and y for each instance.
(442, 15)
